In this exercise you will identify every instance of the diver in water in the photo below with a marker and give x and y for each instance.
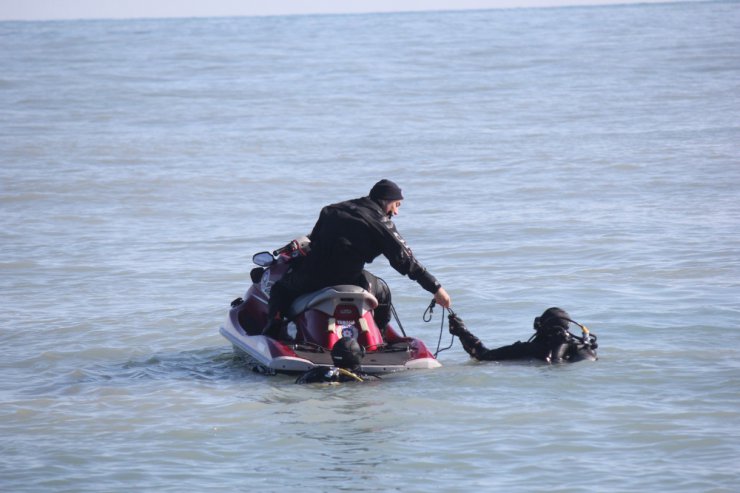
(552, 342)
(347, 356)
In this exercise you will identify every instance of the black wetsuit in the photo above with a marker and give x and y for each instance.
(331, 374)
(551, 345)
(346, 236)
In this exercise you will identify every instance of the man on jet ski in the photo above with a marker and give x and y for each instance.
(552, 342)
(347, 355)
(346, 236)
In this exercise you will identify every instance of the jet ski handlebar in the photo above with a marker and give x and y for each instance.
(301, 245)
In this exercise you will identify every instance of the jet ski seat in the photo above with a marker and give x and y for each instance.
(327, 299)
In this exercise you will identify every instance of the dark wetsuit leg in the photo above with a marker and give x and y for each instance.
(294, 283)
(382, 293)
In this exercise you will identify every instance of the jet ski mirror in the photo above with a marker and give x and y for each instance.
(263, 259)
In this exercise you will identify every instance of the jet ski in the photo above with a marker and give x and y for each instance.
(316, 321)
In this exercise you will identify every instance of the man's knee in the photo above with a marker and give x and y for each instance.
(377, 287)
(382, 293)
(281, 297)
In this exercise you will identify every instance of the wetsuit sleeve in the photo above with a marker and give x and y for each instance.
(402, 259)
(476, 349)
(518, 350)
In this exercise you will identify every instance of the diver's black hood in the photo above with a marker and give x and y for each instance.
(551, 318)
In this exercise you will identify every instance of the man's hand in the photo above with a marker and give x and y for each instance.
(442, 298)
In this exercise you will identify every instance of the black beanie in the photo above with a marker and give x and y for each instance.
(386, 190)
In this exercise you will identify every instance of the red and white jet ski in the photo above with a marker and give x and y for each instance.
(316, 321)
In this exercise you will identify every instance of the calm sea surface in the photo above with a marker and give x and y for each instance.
(587, 158)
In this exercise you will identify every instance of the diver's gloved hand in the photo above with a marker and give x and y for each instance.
(457, 326)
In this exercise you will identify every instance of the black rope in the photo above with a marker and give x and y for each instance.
(398, 320)
(427, 317)
(393, 308)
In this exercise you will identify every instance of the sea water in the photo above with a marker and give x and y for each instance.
(584, 157)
